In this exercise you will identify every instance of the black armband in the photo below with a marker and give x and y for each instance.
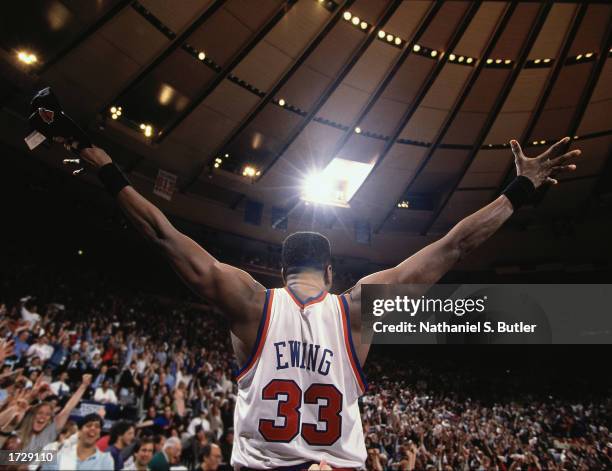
(112, 178)
(519, 191)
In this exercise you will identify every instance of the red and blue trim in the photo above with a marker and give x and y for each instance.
(350, 347)
(262, 332)
(307, 302)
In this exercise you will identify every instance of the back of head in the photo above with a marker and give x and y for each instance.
(305, 251)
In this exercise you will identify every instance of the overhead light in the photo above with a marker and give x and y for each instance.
(347, 15)
(249, 171)
(113, 109)
(535, 143)
(498, 61)
(403, 204)
(337, 184)
(217, 164)
(398, 40)
(452, 57)
(218, 160)
(381, 34)
(537, 61)
(578, 57)
(363, 25)
(143, 126)
(576, 137)
(547, 60)
(201, 56)
(461, 59)
(358, 130)
(489, 61)
(281, 102)
(433, 53)
(469, 60)
(114, 116)
(27, 57)
(355, 20)
(416, 48)
(258, 173)
(508, 61)
(390, 38)
(226, 156)
(588, 54)
(148, 130)
(542, 142)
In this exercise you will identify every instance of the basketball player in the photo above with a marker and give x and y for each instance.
(300, 345)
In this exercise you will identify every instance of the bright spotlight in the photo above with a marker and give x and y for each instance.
(337, 184)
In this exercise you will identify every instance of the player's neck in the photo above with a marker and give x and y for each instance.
(306, 284)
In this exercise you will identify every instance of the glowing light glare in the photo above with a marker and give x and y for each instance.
(489, 61)
(358, 130)
(537, 61)
(363, 25)
(452, 57)
(27, 57)
(113, 109)
(249, 171)
(498, 61)
(390, 37)
(381, 34)
(281, 102)
(347, 15)
(588, 54)
(355, 20)
(433, 53)
(148, 130)
(507, 61)
(143, 126)
(578, 57)
(398, 40)
(416, 48)
(337, 184)
(201, 56)
(542, 142)
(547, 60)
(461, 59)
(114, 116)
(469, 60)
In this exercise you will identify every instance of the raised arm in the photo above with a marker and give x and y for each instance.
(429, 264)
(232, 289)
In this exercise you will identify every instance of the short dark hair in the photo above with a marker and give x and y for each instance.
(93, 417)
(143, 441)
(118, 429)
(305, 250)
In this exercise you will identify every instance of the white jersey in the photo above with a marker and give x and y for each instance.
(298, 393)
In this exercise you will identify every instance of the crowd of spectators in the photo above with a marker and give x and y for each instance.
(115, 379)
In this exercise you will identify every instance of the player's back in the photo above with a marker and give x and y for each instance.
(297, 394)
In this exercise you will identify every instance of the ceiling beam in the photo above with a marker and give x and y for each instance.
(585, 98)
(83, 35)
(497, 106)
(552, 79)
(255, 39)
(173, 46)
(392, 6)
(248, 119)
(499, 29)
(384, 83)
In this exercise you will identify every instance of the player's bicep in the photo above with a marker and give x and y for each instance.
(227, 286)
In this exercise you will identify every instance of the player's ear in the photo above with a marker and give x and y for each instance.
(328, 275)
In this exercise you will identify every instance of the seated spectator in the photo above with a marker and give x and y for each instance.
(121, 438)
(60, 388)
(83, 455)
(200, 421)
(105, 394)
(193, 447)
(143, 453)
(21, 344)
(210, 458)
(41, 349)
(168, 456)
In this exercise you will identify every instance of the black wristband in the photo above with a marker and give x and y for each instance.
(112, 178)
(519, 191)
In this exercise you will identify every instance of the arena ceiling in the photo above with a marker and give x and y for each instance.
(245, 100)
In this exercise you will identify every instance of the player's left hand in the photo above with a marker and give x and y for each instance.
(322, 466)
(545, 166)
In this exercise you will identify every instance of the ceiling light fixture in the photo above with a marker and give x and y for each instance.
(469, 60)
(578, 57)
(27, 57)
(452, 57)
(363, 25)
(358, 130)
(347, 15)
(201, 56)
(390, 38)
(355, 20)
(381, 34)
(489, 61)
(433, 53)
(281, 102)
(416, 48)
(461, 59)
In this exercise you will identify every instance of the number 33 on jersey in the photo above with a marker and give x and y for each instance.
(298, 393)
